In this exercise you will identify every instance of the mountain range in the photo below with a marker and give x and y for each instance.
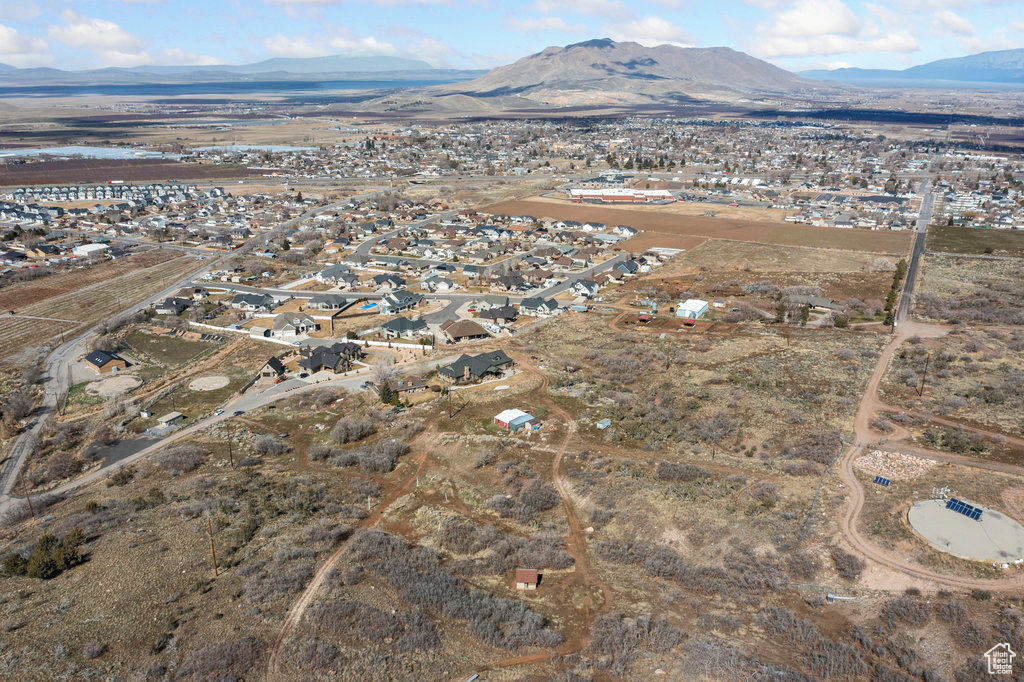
(588, 74)
(1000, 66)
(309, 68)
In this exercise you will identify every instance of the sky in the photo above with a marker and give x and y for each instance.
(477, 34)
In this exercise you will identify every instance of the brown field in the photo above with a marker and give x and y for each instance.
(85, 306)
(102, 170)
(671, 227)
(19, 295)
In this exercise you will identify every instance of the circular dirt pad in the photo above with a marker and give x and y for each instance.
(113, 386)
(209, 383)
(994, 537)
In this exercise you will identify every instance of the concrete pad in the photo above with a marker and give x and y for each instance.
(209, 383)
(994, 537)
(113, 386)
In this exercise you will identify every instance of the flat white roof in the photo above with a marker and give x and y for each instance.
(508, 415)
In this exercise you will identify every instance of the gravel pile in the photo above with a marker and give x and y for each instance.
(893, 465)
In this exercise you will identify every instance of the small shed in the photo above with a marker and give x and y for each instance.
(527, 578)
(170, 419)
(513, 420)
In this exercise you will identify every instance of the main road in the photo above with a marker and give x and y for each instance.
(923, 220)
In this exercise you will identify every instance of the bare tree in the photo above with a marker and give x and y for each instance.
(716, 429)
(383, 373)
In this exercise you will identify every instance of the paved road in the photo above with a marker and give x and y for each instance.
(56, 383)
(924, 219)
(56, 376)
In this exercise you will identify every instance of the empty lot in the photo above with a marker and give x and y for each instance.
(673, 227)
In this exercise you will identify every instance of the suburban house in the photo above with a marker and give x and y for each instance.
(407, 385)
(628, 267)
(253, 302)
(461, 330)
(387, 281)
(335, 358)
(435, 283)
(272, 369)
(538, 307)
(501, 315)
(103, 362)
(584, 287)
(469, 368)
(513, 420)
(328, 302)
(492, 301)
(395, 302)
(171, 306)
(294, 324)
(404, 327)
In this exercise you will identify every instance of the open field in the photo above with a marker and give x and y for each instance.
(975, 240)
(167, 350)
(86, 306)
(689, 208)
(669, 226)
(973, 290)
(17, 295)
(973, 376)
(103, 170)
(662, 546)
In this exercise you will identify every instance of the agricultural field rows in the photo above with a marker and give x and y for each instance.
(86, 306)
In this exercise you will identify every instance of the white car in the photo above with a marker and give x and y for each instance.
(219, 411)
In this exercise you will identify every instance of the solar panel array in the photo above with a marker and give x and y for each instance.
(881, 480)
(967, 510)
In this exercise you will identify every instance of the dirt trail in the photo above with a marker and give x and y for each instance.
(298, 609)
(863, 436)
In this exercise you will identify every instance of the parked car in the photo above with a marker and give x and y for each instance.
(219, 411)
(237, 412)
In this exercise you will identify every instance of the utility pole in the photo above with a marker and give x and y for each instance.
(924, 374)
(230, 455)
(213, 551)
(27, 497)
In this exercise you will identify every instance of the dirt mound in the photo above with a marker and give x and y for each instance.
(208, 383)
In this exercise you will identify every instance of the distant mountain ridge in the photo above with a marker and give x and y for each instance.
(999, 66)
(280, 68)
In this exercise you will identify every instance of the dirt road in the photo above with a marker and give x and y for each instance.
(863, 436)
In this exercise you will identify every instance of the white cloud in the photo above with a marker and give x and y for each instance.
(834, 44)
(18, 49)
(649, 31)
(95, 35)
(349, 45)
(1018, 26)
(951, 22)
(612, 9)
(536, 24)
(805, 28)
(815, 18)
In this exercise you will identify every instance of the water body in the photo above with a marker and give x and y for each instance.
(89, 153)
(230, 87)
(274, 148)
